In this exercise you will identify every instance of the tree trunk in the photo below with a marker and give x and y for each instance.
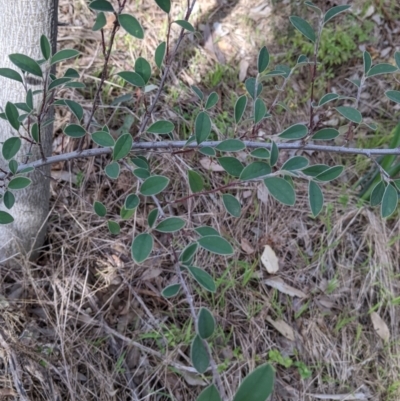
(22, 22)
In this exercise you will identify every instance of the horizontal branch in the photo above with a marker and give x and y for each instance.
(169, 145)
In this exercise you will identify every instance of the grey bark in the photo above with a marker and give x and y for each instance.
(22, 22)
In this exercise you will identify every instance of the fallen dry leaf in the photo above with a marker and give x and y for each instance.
(283, 328)
(270, 260)
(380, 326)
(246, 246)
(210, 164)
(280, 285)
(262, 193)
(243, 67)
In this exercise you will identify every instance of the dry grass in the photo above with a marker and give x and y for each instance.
(87, 323)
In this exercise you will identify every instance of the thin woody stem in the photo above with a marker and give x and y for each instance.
(169, 145)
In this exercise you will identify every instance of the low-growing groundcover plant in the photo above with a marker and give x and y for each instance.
(262, 163)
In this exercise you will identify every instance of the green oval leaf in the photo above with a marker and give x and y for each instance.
(377, 193)
(101, 5)
(255, 170)
(209, 394)
(125, 213)
(113, 227)
(170, 225)
(75, 108)
(315, 198)
(100, 22)
(263, 60)
(261, 153)
(160, 54)
(327, 98)
(152, 217)
(303, 27)
(207, 151)
(133, 78)
(171, 291)
(26, 64)
(131, 25)
(231, 145)
(330, 174)
(389, 201)
(393, 96)
(202, 277)
(11, 147)
(12, 115)
(58, 82)
(154, 185)
(313, 171)
(313, 7)
(103, 138)
(326, 134)
(71, 73)
(195, 181)
(199, 355)
(206, 230)
(112, 170)
(140, 162)
(259, 110)
(122, 147)
(250, 85)
(257, 386)
(296, 131)
(231, 165)
(74, 131)
(350, 113)
(45, 47)
(165, 5)
(232, 205)
(13, 166)
(367, 61)
(274, 154)
(197, 92)
(216, 244)
(332, 12)
(205, 323)
(143, 68)
(63, 55)
(11, 74)
(397, 59)
(141, 173)
(161, 127)
(202, 128)
(380, 69)
(8, 199)
(99, 209)
(281, 190)
(19, 183)
(240, 107)
(212, 100)
(131, 202)
(185, 25)
(295, 163)
(188, 253)
(5, 218)
(141, 247)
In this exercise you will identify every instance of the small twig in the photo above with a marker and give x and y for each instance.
(165, 74)
(167, 145)
(104, 72)
(189, 299)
